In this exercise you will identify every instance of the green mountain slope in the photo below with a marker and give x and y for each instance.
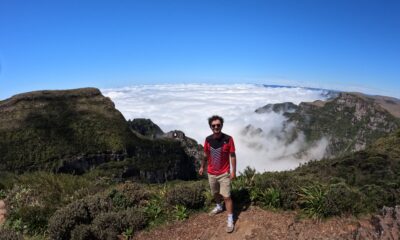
(378, 164)
(350, 121)
(76, 130)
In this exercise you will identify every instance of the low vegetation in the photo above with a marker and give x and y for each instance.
(93, 206)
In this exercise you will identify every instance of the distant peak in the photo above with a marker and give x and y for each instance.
(52, 94)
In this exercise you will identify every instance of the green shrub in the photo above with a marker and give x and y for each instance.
(119, 200)
(341, 199)
(376, 197)
(154, 209)
(133, 219)
(3, 193)
(128, 195)
(137, 193)
(189, 195)
(128, 233)
(180, 212)
(269, 198)
(82, 232)
(34, 218)
(109, 225)
(21, 195)
(285, 183)
(247, 176)
(241, 187)
(240, 196)
(311, 199)
(97, 204)
(65, 219)
(36, 196)
(8, 234)
(53, 189)
(209, 198)
(14, 223)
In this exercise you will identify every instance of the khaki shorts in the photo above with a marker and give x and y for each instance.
(220, 184)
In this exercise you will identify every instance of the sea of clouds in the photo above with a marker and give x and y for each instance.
(186, 107)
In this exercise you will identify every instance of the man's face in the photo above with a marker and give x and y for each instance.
(216, 126)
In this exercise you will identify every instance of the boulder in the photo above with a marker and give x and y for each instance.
(385, 225)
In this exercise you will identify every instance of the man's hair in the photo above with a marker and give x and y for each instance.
(215, 117)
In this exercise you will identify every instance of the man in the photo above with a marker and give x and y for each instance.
(219, 152)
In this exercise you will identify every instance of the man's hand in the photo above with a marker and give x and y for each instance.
(201, 171)
(233, 175)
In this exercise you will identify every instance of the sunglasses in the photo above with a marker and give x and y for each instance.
(216, 125)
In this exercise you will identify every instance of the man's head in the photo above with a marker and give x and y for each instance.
(216, 123)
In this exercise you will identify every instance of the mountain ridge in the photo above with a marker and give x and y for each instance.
(350, 121)
(76, 130)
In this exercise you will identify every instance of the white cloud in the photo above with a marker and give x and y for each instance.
(187, 107)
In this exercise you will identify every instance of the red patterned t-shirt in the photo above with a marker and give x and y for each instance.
(217, 151)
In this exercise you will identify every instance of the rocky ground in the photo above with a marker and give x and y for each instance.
(255, 223)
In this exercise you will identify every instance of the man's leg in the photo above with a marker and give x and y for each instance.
(225, 190)
(229, 205)
(215, 188)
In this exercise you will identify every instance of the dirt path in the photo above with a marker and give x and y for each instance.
(256, 223)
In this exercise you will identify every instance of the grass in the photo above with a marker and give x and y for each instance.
(360, 182)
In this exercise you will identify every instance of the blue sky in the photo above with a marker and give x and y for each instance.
(340, 44)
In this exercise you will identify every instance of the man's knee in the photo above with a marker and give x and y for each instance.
(228, 198)
(218, 196)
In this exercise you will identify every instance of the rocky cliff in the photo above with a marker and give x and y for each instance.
(145, 127)
(77, 130)
(191, 147)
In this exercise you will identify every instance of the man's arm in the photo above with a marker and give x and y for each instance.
(233, 164)
(202, 164)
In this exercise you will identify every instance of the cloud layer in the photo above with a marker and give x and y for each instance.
(186, 107)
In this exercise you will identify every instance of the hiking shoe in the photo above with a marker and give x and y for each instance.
(215, 211)
(230, 227)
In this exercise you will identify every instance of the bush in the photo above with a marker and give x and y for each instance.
(269, 198)
(285, 183)
(242, 185)
(65, 219)
(311, 199)
(180, 212)
(34, 218)
(97, 204)
(154, 209)
(128, 195)
(82, 232)
(52, 189)
(240, 196)
(341, 199)
(109, 225)
(8, 234)
(3, 193)
(376, 197)
(133, 219)
(189, 195)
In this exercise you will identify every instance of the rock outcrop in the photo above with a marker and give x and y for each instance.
(191, 147)
(145, 127)
(385, 226)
